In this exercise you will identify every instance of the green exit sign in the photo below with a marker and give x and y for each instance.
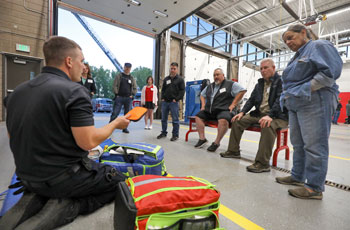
(23, 48)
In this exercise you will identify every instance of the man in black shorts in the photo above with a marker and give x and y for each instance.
(51, 128)
(219, 102)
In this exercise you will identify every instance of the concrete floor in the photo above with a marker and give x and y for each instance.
(250, 201)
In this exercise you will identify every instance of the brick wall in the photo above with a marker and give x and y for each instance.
(23, 24)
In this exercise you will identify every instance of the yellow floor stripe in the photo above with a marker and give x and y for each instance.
(235, 217)
(341, 158)
(238, 219)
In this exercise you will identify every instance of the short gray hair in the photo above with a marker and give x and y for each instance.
(268, 60)
(220, 70)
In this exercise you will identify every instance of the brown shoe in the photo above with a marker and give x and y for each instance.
(257, 167)
(289, 181)
(230, 154)
(303, 193)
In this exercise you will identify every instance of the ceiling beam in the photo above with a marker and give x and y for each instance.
(252, 14)
(226, 8)
(289, 10)
(191, 13)
(232, 31)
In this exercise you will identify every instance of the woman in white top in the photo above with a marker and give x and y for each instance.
(149, 100)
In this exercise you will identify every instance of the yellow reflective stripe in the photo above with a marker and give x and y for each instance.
(170, 189)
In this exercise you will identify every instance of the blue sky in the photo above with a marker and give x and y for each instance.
(126, 46)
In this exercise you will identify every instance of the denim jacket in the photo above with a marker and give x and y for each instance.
(318, 60)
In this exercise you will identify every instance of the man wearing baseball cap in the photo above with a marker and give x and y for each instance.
(125, 89)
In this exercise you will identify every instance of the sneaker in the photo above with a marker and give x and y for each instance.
(162, 135)
(125, 131)
(174, 138)
(230, 154)
(55, 213)
(150, 127)
(289, 181)
(146, 127)
(303, 193)
(27, 206)
(257, 167)
(213, 147)
(200, 143)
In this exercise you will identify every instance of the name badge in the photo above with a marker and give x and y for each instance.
(151, 89)
(90, 81)
(168, 82)
(222, 90)
(129, 81)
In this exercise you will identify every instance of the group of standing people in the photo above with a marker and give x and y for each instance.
(125, 89)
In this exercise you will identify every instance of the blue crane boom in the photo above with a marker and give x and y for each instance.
(99, 42)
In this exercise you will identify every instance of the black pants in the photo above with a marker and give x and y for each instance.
(120, 102)
(93, 185)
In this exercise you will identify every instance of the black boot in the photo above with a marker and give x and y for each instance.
(55, 213)
(29, 205)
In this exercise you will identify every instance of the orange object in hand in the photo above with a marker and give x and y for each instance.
(136, 113)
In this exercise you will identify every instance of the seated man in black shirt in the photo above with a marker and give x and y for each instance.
(268, 114)
(51, 128)
(219, 102)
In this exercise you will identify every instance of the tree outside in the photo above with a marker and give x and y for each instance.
(140, 74)
(104, 79)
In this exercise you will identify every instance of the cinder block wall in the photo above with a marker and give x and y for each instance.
(21, 22)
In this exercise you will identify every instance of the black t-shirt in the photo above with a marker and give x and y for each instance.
(125, 86)
(40, 114)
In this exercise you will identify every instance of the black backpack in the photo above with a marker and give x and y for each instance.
(205, 83)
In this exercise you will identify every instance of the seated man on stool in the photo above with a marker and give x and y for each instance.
(219, 100)
(265, 97)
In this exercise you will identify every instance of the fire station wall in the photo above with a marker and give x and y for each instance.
(248, 77)
(201, 65)
(21, 22)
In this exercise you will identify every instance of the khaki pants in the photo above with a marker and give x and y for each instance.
(267, 136)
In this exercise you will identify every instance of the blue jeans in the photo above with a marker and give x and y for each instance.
(335, 117)
(173, 107)
(310, 123)
(117, 106)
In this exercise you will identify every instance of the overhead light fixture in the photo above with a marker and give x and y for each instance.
(331, 34)
(337, 12)
(134, 2)
(275, 32)
(159, 13)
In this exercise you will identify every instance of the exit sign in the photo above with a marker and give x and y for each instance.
(23, 48)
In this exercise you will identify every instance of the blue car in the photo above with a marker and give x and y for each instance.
(102, 105)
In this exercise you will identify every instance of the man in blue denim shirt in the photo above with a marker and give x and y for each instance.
(310, 95)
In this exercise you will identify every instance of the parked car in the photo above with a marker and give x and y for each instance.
(102, 105)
